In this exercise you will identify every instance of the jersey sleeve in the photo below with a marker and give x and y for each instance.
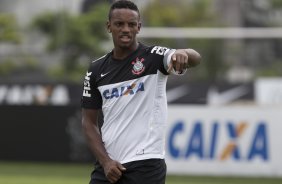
(167, 60)
(91, 96)
(162, 55)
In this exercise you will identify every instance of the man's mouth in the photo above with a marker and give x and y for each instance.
(125, 38)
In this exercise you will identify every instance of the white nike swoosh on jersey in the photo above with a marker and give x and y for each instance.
(104, 74)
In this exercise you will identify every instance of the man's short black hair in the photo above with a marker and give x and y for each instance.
(120, 4)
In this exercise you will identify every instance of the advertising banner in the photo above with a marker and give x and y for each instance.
(268, 91)
(224, 141)
(43, 94)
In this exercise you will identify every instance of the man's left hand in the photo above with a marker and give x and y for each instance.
(179, 61)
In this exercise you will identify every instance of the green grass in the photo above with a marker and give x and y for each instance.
(54, 173)
(44, 173)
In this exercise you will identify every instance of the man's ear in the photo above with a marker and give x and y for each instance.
(139, 27)
(108, 25)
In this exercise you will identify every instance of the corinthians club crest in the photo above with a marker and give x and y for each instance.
(138, 66)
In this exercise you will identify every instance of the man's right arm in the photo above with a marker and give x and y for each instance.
(113, 169)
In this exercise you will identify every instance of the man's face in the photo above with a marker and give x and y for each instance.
(124, 25)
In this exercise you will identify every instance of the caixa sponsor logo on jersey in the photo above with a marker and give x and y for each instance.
(221, 141)
(132, 89)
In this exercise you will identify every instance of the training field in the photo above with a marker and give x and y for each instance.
(54, 173)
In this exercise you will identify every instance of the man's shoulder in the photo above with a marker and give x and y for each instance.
(99, 60)
(96, 65)
(156, 49)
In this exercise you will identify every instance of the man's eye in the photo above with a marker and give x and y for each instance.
(118, 24)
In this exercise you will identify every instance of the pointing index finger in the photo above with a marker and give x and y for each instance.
(171, 63)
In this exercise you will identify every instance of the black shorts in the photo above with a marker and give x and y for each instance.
(151, 171)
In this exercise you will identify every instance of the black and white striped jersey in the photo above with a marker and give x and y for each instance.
(132, 95)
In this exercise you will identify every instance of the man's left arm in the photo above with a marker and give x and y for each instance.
(194, 58)
(182, 59)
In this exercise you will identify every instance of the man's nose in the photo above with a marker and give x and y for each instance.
(125, 28)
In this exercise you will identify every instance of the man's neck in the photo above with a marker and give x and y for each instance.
(122, 53)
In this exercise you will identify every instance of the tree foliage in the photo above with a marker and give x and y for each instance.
(178, 14)
(188, 14)
(9, 29)
(9, 33)
(276, 3)
(75, 36)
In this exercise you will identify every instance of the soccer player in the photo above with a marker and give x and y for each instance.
(129, 85)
